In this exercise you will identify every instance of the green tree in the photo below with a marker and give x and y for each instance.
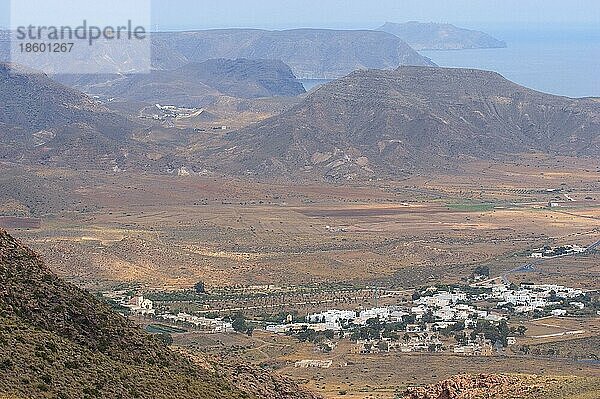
(200, 288)
(492, 332)
(391, 334)
(481, 271)
(239, 323)
(428, 317)
(249, 330)
(306, 335)
(383, 346)
(461, 338)
(406, 338)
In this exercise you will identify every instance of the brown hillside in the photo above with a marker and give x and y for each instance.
(391, 123)
(59, 341)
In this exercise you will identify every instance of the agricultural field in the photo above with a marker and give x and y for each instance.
(164, 232)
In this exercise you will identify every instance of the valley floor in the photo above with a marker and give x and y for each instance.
(105, 230)
(165, 232)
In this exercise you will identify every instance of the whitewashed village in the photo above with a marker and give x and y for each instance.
(468, 320)
(471, 317)
(480, 318)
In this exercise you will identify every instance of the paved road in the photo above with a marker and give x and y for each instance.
(593, 246)
(530, 267)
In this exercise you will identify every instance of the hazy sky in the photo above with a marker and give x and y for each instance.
(355, 14)
(368, 14)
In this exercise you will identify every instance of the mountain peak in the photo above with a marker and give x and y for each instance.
(379, 124)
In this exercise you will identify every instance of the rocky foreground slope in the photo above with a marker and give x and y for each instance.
(59, 341)
(377, 124)
(485, 386)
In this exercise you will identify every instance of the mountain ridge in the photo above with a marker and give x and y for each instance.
(439, 36)
(311, 53)
(393, 123)
(199, 83)
(43, 119)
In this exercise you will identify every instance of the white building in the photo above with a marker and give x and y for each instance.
(375, 313)
(284, 328)
(419, 311)
(214, 325)
(138, 305)
(494, 317)
(578, 305)
(530, 297)
(323, 364)
(442, 299)
(333, 318)
(446, 313)
(398, 315)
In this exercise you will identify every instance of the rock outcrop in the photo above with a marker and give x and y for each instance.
(471, 387)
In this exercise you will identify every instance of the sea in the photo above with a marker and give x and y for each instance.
(565, 63)
(561, 62)
(310, 84)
